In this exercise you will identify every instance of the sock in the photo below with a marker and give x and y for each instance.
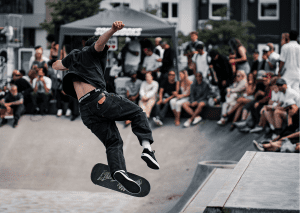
(146, 145)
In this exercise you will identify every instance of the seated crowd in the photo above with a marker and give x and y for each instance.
(263, 97)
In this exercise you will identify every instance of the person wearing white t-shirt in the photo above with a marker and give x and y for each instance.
(150, 63)
(289, 107)
(41, 91)
(132, 57)
(290, 60)
(158, 50)
(200, 60)
(148, 92)
(274, 56)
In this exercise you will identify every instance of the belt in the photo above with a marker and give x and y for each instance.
(91, 93)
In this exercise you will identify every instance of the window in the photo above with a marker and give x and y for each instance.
(268, 9)
(165, 10)
(174, 10)
(29, 37)
(215, 5)
(16, 6)
(118, 4)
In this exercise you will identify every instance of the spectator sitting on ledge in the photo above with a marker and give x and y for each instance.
(198, 98)
(12, 101)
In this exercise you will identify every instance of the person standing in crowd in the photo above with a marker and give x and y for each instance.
(39, 50)
(158, 50)
(41, 91)
(150, 63)
(223, 71)
(12, 101)
(190, 49)
(241, 60)
(289, 59)
(132, 56)
(269, 60)
(148, 92)
(255, 63)
(168, 90)
(200, 60)
(132, 90)
(273, 58)
(167, 61)
(39, 62)
(198, 98)
(182, 97)
(24, 76)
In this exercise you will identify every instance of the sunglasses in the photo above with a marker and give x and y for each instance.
(238, 76)
(171, 74)
(16, 75)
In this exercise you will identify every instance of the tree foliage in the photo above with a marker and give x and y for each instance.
(68, 11)
(218, 33)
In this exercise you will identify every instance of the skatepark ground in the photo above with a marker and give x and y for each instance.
(45, 164)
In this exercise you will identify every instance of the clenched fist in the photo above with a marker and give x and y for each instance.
(117, 25)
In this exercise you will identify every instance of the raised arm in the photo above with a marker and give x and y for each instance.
(100, 43)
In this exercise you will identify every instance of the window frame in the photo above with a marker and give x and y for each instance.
(210, 12)
(268, 18)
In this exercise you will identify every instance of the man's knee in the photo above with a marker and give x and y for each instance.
(201, 104)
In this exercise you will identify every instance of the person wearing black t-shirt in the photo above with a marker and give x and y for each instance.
(99, 110)
(167, 61)
(168, 89)
(12, 101)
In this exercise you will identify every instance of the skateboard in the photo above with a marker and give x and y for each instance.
(101, 176)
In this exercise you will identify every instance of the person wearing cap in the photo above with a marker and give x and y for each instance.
(289, 107)
(150, 63)
(289, 60)
(100, 110)
(190, 49)
(273, 58)
(158, 50)
(255, 63)
(167, 61)
(223, 71)
(200, 60)
(268, 63)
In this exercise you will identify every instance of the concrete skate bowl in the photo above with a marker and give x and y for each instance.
(52, 158)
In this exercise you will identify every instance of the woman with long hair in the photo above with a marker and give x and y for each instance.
(233, 93)
(241, 60)
(247, 96)
(185, 90)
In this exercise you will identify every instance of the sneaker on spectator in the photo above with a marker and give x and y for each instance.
(258, 146)
(197, 120)
(3, 122)
(158, 121)
(256, 129)
(187, 123)
(221, 121)
(15, 124)
(245, 129)
(129, 184)
(240, 124)
(68, 113)
(59, 112)
(149, 158)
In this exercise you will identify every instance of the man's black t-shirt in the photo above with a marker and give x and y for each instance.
(254, 66)
(222, 68)
(10, 98)
(88, 64)
(23, 86)
(168, 88)
(167, 61)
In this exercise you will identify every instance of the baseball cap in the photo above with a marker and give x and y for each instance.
(280, 82)
(199, 46)
(261, 74)
(256, 51)
(212, 53)
(266, 49)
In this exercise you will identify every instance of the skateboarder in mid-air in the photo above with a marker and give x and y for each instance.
(99, 109)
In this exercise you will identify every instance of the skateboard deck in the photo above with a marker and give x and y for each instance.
(101, 176)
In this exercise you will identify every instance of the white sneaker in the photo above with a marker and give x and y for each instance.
(274, 136)
(197, 120)
(68, 113)
(220, 122)
(159, 122)
(256, 129)
(187, 123)
(59, 112)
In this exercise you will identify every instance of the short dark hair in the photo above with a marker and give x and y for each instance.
(199, 46)
(91, 40)
(293, 35)
(212, 53)
(22, 72)
(194, 32)
(37, 47)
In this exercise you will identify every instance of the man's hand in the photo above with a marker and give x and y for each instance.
(224, 83)
(159, 60)
(256, 105)
(232, 61)
(144, 98)
(265, 57)
(195, 103)
(117, 25)
(159, 102)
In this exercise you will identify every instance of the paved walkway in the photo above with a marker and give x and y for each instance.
(45, 164)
